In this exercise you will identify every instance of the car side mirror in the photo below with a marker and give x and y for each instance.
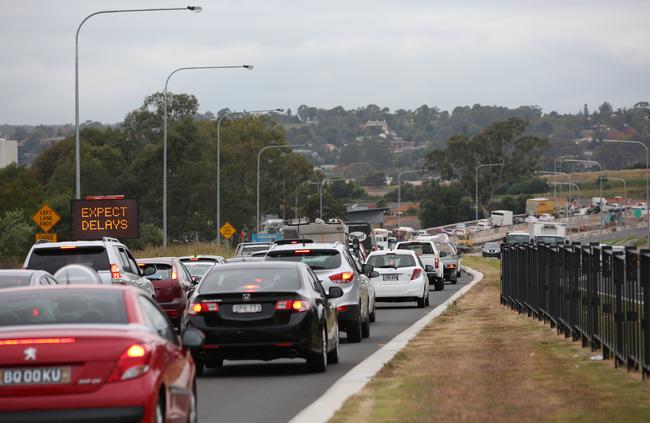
(429, 268)
(149, 270)
(192, 338)
(335, 292)
(367, 269)
(374, 274)
(196, 280)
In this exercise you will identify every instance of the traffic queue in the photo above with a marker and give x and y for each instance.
(87, 331)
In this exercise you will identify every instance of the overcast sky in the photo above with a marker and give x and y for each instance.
(557, 54)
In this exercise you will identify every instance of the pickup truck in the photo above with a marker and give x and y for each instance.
(429, 255)
(449, 257)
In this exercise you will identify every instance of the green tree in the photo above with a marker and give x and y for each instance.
(16, 234)
(444, 204)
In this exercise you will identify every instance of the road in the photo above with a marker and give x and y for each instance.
(608, 235)
(276, 391)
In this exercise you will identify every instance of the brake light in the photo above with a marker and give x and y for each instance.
(134, 362)
(343, 277)
(115, 272)
(174, 274)
(68, 247)
(31, 341)
(204, 307)
(292, 305)
(342, 308)
(416, 273)
(437, 262)
(302, 251)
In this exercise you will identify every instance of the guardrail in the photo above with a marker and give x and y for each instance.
(589, 293)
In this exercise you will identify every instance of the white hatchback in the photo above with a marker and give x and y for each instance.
(402, 277)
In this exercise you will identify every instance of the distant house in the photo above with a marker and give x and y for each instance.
(8, 152)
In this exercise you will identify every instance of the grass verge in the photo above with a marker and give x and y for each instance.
(481, 362)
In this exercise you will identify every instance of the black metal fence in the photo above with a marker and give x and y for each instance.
(590, 293)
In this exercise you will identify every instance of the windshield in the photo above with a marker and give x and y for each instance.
(419, 247)
(8, 281)
(394, 261)
(65, 306)
(251, 280)
(197, 268)
(445, 247)
(517, 239)
(52, 259)
(316, 259)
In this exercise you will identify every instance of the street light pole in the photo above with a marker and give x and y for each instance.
(477, 168)
(249, 67)
(647, 183)
(555, 171)
(222, 117)
(77, 158)
(399, 191)
(600, 178)
(259, 155)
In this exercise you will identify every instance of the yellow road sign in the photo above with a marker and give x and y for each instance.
(227, 230)
(47, 235)
(45, 217)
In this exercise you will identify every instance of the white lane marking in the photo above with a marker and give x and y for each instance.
(353, 381)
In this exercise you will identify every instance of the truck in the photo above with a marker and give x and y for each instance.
(501, 218)
(548, 232)
(599, 202)
(539, 206)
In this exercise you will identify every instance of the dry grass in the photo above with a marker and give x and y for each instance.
(480, 362)
(183, 250)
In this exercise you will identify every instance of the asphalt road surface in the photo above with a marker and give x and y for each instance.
(607, 235)
(275, 391)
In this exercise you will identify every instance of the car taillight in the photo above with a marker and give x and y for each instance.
(134, 362)
(342, 308)
(292, 305)
(31, 341)
(416, 273)
(437, 262)
(343, 277)
(174, 274)
(203, 307)
(115, 272)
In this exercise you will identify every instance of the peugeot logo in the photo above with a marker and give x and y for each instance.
(30, 354)
(246, 297)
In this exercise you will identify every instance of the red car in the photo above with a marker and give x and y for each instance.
(78, 353)
(172, 284)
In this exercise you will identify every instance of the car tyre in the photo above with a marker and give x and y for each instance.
(373, 316)
(427, 301)
(458, 274)
(200, 367)
(334, 356)
(365, 328)
(440, 284)
(353, 332)
(317, 362)
(160, 411)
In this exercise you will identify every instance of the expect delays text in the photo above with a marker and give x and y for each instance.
(104, 218)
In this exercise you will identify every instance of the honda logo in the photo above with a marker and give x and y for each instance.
(246, 297)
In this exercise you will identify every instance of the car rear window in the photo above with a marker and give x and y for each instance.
(250, 280)
(418, 247)
(198, 268)
(163, 271)
(52, 259)
(316, 259)
(391, 261)
(65, 306)
(8, 281)
(444, 247)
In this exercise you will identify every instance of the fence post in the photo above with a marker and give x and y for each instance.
(619, 278)
(645, 322)
(594, 298)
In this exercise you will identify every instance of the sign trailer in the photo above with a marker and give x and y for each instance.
(100, 216)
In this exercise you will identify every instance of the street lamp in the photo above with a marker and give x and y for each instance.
(76, 78)
(555, 171)
(477, 168)
(249, 67)
(222, 117)
(600, 178)
(257, 219)
(399, 191)
(647, 184)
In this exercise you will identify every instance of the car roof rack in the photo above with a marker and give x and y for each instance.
(293, 241)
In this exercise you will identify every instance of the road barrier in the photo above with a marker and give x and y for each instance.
(587, 292)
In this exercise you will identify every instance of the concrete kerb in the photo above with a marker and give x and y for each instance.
(354, 381)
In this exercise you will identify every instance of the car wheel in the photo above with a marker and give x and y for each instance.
(317, 362)
(353, 332)
(454, 280)
(421, 302)
(160, 412)
(440, 285)
(373, 315)
(365, 328)
(192, 413)
(427, 301)
(334, 356)
(200, 367)
(458, 274)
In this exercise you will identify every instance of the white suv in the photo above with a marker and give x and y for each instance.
(109, 257)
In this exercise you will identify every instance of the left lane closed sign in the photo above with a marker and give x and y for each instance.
(97, 218)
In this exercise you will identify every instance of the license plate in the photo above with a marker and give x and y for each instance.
(247, 308)
(391, 277)
(35, 376)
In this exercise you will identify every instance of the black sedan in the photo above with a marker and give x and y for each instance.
(263, 310)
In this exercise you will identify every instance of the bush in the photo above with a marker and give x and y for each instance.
(16, 235)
